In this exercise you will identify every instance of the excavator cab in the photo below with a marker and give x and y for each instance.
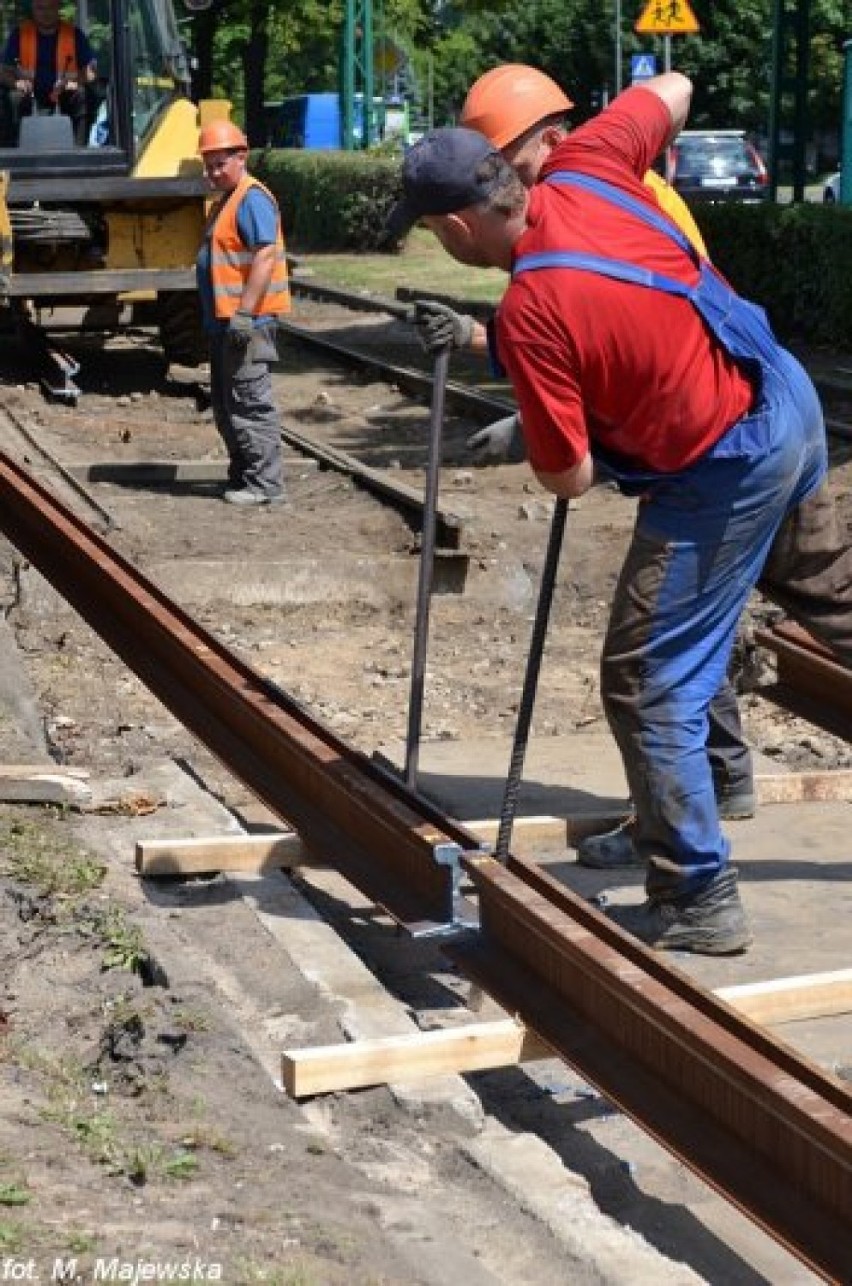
(104, 209)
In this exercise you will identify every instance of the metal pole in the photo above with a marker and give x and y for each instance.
(368, 133)
(427, 563)
(846, 128)
(431, 92)
(525, 710)
(347, 79)
(618, 46)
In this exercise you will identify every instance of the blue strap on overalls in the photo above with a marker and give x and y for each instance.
(740, 327)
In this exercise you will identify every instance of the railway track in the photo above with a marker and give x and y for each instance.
(811, 682)
(760, 1123)
(478, 406)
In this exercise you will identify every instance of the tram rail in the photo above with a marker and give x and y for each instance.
(763, 1125)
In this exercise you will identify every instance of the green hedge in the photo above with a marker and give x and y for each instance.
(794, 259)
(330, 200)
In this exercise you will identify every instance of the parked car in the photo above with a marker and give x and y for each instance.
(831, 191)
(717, 165)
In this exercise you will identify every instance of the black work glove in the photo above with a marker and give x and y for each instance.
(499, 443)
(439, 327)
(240, 330)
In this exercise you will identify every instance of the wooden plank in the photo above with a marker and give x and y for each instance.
(43, 784)
(569, 829)
(787, 1000)
(831, 787)
(532, 828)
(478, 1047)
(208, 855)
(357, 1064)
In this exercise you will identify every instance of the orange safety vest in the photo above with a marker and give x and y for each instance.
(66, 47)
(230, 260)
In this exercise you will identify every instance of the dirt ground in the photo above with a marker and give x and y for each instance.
(136, 1125)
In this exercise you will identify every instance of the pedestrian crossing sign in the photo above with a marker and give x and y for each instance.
(642, 67)
(667, 18)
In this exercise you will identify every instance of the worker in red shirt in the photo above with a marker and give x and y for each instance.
(521, 111)
(625, 347)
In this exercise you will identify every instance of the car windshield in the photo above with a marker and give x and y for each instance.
(718, 156)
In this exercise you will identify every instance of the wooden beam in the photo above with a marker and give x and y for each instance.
(568, 830)
(478, 1047)
(831, 787)
(43, 784)
(787, 1000)
(210, 854)
(472, 1048)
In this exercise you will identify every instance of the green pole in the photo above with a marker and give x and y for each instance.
(356, 73)
(846, 130)
(369, 131)
(347, 79)
(774, 157)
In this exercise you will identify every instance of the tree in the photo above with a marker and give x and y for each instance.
(294, 46)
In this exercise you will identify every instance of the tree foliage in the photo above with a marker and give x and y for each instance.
(255, 50)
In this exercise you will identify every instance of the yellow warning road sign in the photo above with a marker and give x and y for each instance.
(667, 18)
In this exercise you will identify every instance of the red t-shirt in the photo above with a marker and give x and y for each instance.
(631, 368)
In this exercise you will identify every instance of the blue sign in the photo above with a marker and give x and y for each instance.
(642, 67)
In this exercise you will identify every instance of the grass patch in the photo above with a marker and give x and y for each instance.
(81, 1242)
(32, 854)
(11, 1237)
(151, 1161)
(423, 263)
(122, 940)
(99, 1134)
(295, 1276)
(190, 1020)
(12, 1194)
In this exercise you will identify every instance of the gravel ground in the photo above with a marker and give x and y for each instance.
(133, 1120)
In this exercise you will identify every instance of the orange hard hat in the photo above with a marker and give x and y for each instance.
(509, 100)
(220, 136)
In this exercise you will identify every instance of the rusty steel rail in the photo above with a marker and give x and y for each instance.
(762, 1125)
(393, 844)
(479, 407)
(809, 671)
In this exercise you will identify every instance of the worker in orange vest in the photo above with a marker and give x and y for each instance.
(241, 270)
(48, 65)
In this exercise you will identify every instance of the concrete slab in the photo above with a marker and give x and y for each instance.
(579, 772)
(796, 872)
(794, 859)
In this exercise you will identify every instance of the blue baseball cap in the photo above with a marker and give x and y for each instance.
(439, 176)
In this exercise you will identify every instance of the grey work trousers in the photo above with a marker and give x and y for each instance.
(809, 575)
(808, 572)
(244, 409)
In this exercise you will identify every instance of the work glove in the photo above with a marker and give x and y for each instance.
(499, 443)
(240, 330)
(440, 328)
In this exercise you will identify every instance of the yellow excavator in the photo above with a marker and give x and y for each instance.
(109, 224)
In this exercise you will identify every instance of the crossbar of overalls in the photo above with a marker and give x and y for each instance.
(701, 538)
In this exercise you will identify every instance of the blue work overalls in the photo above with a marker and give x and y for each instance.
(701, 538)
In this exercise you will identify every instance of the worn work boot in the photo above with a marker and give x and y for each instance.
(246, 496)
(710, 922)
(735, 803)
(615, 849)
(611, 850)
